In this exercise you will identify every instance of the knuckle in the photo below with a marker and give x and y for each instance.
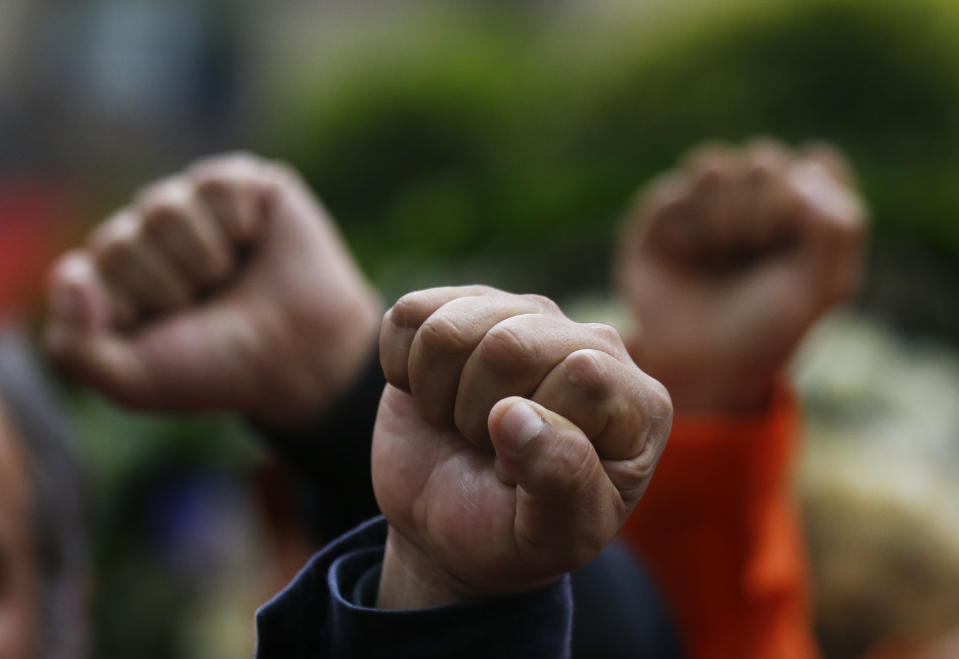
(241, 157)
(213, 165)
(160, 220)
(543, 302)
(586, 369)
(761, 170)
(787, 202)
(608, 334)
(441, 334)
(706, 152)
(170, 192)
(632, 476)
(658, 402)
(212, 190)
(509, 349)
(712, 181)
(477, 290)
(285, 172)
(651, 438)
(764, 148)
(116, 243)
(212, 175)
(410, 310)
(706, 181)
(115, 258)
(669, 189)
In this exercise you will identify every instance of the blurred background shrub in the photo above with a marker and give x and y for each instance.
(519, 137)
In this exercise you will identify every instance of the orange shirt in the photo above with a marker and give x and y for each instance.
(719, 532)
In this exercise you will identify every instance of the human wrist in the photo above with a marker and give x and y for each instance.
(701, 388)
(726, 396)
(349, 351)
(410, 579)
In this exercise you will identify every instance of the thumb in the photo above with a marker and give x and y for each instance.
(79, 335)
(567, 508)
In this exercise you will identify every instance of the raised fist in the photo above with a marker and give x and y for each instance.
(726, 261)
(511, 443)
(224, 287)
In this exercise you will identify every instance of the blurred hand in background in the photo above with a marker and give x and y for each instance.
(727, 260)
(224, 287)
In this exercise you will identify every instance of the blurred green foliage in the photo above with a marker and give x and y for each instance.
(130, 458)
(515, 142)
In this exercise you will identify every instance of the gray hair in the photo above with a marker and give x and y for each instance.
(59, 512)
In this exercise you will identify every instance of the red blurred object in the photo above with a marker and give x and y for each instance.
(720, 532)
(32, 212)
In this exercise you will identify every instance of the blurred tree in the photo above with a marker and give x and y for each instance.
(492, 136)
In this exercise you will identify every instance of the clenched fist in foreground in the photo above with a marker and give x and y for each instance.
(510, 445)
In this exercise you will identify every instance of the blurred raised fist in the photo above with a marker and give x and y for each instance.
(511, 443)
(224, 287)
(727, 260)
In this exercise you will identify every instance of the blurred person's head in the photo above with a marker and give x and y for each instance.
(43, 556)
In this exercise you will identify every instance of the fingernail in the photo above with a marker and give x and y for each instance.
(68, 306)
(522, 423)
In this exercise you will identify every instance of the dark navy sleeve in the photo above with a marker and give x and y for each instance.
(327, 611)
(619, 612)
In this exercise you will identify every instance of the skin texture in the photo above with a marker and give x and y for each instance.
(19, 572)
(727, 260)
(223, 287)
(510, 445)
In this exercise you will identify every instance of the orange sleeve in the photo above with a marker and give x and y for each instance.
(719, 532)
